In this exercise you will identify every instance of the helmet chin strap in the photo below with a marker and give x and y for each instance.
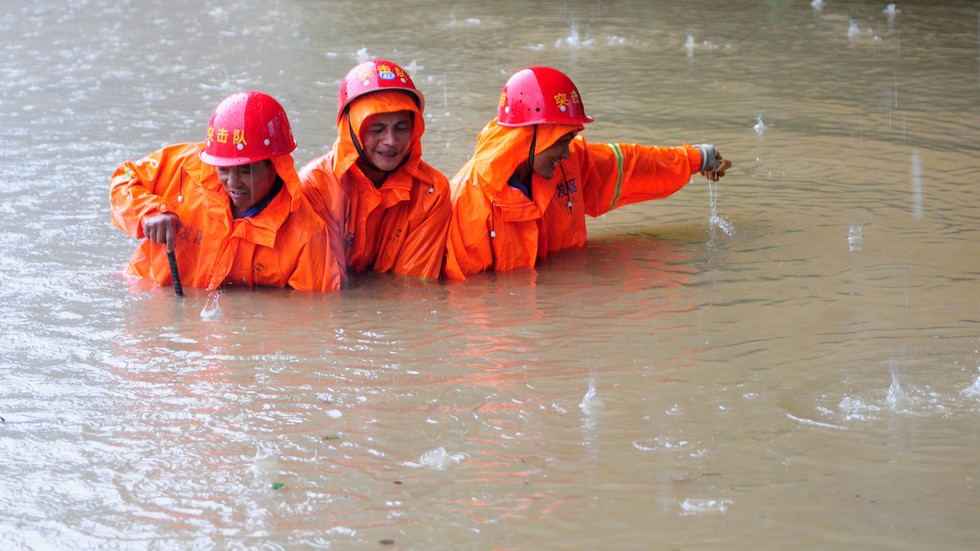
(530, 158)
(360, 150)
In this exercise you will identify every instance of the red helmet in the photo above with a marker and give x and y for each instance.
(540, 95)
(374, 76)
(247, 127)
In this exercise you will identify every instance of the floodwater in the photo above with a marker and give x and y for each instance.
(787, 360)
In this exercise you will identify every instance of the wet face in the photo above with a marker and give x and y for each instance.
(247, 184)
(386, 138)
(546, 161)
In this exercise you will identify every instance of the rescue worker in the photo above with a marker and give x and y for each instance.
(390, 208)
(229, 208)
(526, 190)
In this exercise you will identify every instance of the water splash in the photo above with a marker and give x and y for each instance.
(691, 45)
(211, 310)
(854, 238)
(854, 32)
(692, 506)
(362, 55)
(438, 459)
(760, 127)
(574, 40)
(856, 409)
(891, 11)
(896, 398)
(714, 220)
(266, 467)
(591, 403)
(974, 389)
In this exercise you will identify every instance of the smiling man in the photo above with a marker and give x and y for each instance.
(530, 183)
(388, 206)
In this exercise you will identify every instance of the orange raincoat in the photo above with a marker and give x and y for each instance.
(496, 227)
(399, 228)
(285, 244)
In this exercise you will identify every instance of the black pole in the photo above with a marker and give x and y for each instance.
(175, 274)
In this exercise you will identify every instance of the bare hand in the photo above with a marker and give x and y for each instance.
(162, 228)
(719, 171)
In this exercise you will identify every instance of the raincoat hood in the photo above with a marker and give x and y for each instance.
(501, 149)
(390, 101)
(285, 167)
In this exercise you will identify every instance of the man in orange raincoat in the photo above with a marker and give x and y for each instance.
(525, 192)
(230, 208)
(390, 208)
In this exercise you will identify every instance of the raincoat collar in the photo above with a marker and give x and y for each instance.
(260, 229)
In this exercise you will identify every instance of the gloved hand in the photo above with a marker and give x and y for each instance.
(713, 165)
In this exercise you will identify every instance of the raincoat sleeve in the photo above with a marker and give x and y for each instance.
(468, 248)
(146, 187)
(422, 254)
(324, 194)
(620, 174)
(316, 268)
